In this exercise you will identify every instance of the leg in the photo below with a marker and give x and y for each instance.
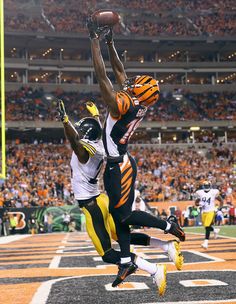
(207, 220)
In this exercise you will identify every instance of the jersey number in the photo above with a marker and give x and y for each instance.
(205, 200)
(131, 128)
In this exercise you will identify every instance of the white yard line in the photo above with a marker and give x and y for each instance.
(12, 238)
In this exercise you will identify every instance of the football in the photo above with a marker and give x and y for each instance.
(105, 17)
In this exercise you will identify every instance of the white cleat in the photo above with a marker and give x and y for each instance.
(175, 254)
(159, 278)
(216, 232)
(204, 245)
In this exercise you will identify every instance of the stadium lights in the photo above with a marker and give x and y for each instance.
(194, 128)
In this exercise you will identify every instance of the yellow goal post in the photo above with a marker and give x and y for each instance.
(2, 86)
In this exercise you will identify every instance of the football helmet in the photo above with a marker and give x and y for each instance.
(206, 186)
(89, 127)
(144, 88)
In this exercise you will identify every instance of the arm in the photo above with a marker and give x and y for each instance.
(72, 135)
(220, 199)
(117, 65)
(197, 201)
(107, 91)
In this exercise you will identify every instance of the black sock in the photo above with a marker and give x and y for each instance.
(139, 239)
(208, 231)
(142, 218)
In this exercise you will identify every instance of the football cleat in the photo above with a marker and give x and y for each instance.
(175, 254)
(124, 271)
(159, 279)
(204, 244)
(176, 231)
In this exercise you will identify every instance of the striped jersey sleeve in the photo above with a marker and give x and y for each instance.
(124, 101)
(88, 147)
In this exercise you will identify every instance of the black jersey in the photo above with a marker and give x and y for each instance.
(117, 131)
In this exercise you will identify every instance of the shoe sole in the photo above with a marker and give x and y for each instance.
(162, 287)
(179, 258)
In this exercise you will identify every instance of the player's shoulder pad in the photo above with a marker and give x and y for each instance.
(124, 101)
(89, 146)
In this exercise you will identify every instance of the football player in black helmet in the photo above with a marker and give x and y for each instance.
(89, 128)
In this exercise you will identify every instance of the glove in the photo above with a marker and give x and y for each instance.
(62, 112)
(109, 36)
(92, 108)
(94, 30)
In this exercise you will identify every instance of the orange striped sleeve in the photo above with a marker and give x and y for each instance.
(123, 101)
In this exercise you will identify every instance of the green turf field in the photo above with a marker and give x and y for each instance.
(224, 230)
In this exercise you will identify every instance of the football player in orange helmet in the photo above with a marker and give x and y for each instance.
(126, 109)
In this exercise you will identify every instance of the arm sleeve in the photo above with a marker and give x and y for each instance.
(88, 147)
(124, 102)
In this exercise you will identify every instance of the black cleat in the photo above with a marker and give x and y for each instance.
(176, 231)
(124, 270)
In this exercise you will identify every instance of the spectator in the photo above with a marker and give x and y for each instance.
(6, 223)
(163, 215)
(232, 215)
(66, 218)
(219, 217)
(13, 222)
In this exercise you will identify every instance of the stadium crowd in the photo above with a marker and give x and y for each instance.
(38, 174)
(149, 18)
(29, 104)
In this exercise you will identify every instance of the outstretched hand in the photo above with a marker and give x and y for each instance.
(109, 36)
(61, 111)
(94, 29)
(92, 108)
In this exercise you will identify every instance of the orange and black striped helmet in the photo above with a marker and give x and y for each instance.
(144, 88)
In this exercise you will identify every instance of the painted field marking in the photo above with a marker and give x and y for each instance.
(232, 301)
(55, 262)
(12, 238)
(205, 255)
(42, 293)
(127, 286)
(202, 283)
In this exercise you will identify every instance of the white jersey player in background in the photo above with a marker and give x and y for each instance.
(205, 198)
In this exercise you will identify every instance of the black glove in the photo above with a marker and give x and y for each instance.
(62, 112)
(109, 36)
(94, 29)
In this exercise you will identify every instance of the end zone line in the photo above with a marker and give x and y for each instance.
(12, 238)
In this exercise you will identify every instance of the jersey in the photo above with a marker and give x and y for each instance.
(207, 199)
(117, 131)
(84, 177)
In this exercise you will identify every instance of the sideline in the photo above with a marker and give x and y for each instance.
(12, 238)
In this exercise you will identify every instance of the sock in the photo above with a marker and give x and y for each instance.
(141, 218)
(125, 260)
(146, 266)
(159, 243)
(206, 241)
(168, 225)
